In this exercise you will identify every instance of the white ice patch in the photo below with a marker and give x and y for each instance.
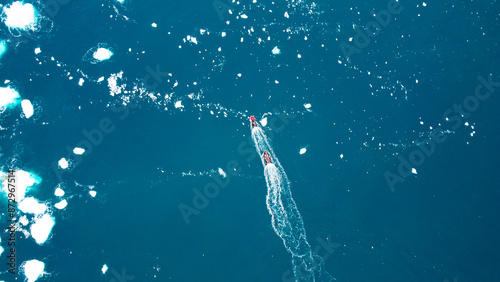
(414, 170)
(24, 180)
(92, 193)
(263, 121)
(61, 205)
(102, 54)
(27, 108)
(40, 230)
(303, 151)
(104, 269)
(276, 50)
(178, 104)
(222, 173)
(192, 39)
(59, 192)
(19, 15)
(33, 269)
(154, 25)
(81, 81)
(31, 205)
(78, 151)
(63, 163)
(307, 106)
(3, 47)
(37, 50)
(341, 156)
(8, 96)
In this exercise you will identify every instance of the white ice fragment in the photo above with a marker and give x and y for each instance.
(299, 56)
(239, 75)
(92, 193)
(414, 170)
(286, 15)
(100, 79)
(24, 220)
(8, 96)
(61, 205)
(40, 230)
(341, 156)
(59, 192)
(192, 39)
(102, 54)
(104, 269)
(37, 50)
(303, 151)
(31, 205)
(81, 81)
(33, 269)
(276, 50)
(154, 25)
(27, 108)
(307, 106)
(78, 151)
(276, 81)
(424, 4)
(223, 34)
(178, 104)
(24, 181)
(263, 121)
(63, 163)
(222, 173)
(19, 15)
(244, 16)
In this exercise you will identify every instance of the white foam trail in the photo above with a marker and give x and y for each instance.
(286, 219)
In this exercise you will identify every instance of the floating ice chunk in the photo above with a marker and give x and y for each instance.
(100, 79)
(424, 4)
(192, 39)
(92, 193)
(154, 25)
(223, 34)
(276, 50)
(303, 151)
(307, 106)
(31, 205)
(37, 50)
(341, 156)
(104, 269)
(299, 56)
(27, 108)
(78, 151)
(286, 15)
(178, 104)
(263, 121)
(414, 170)
(40, 230)
(19, 15)
(222, 173)
(1, 250)
(102, 54)
(121, 1)
(59, 192)
(244, 16)
(33, 269)
(61, 205)
(24, 181)
(8, 96)
(3, 47)
(63, 163)
(81, 81)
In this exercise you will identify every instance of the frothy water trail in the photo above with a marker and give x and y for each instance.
(285, 217)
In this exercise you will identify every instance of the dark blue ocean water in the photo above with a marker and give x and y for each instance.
(440, 224)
